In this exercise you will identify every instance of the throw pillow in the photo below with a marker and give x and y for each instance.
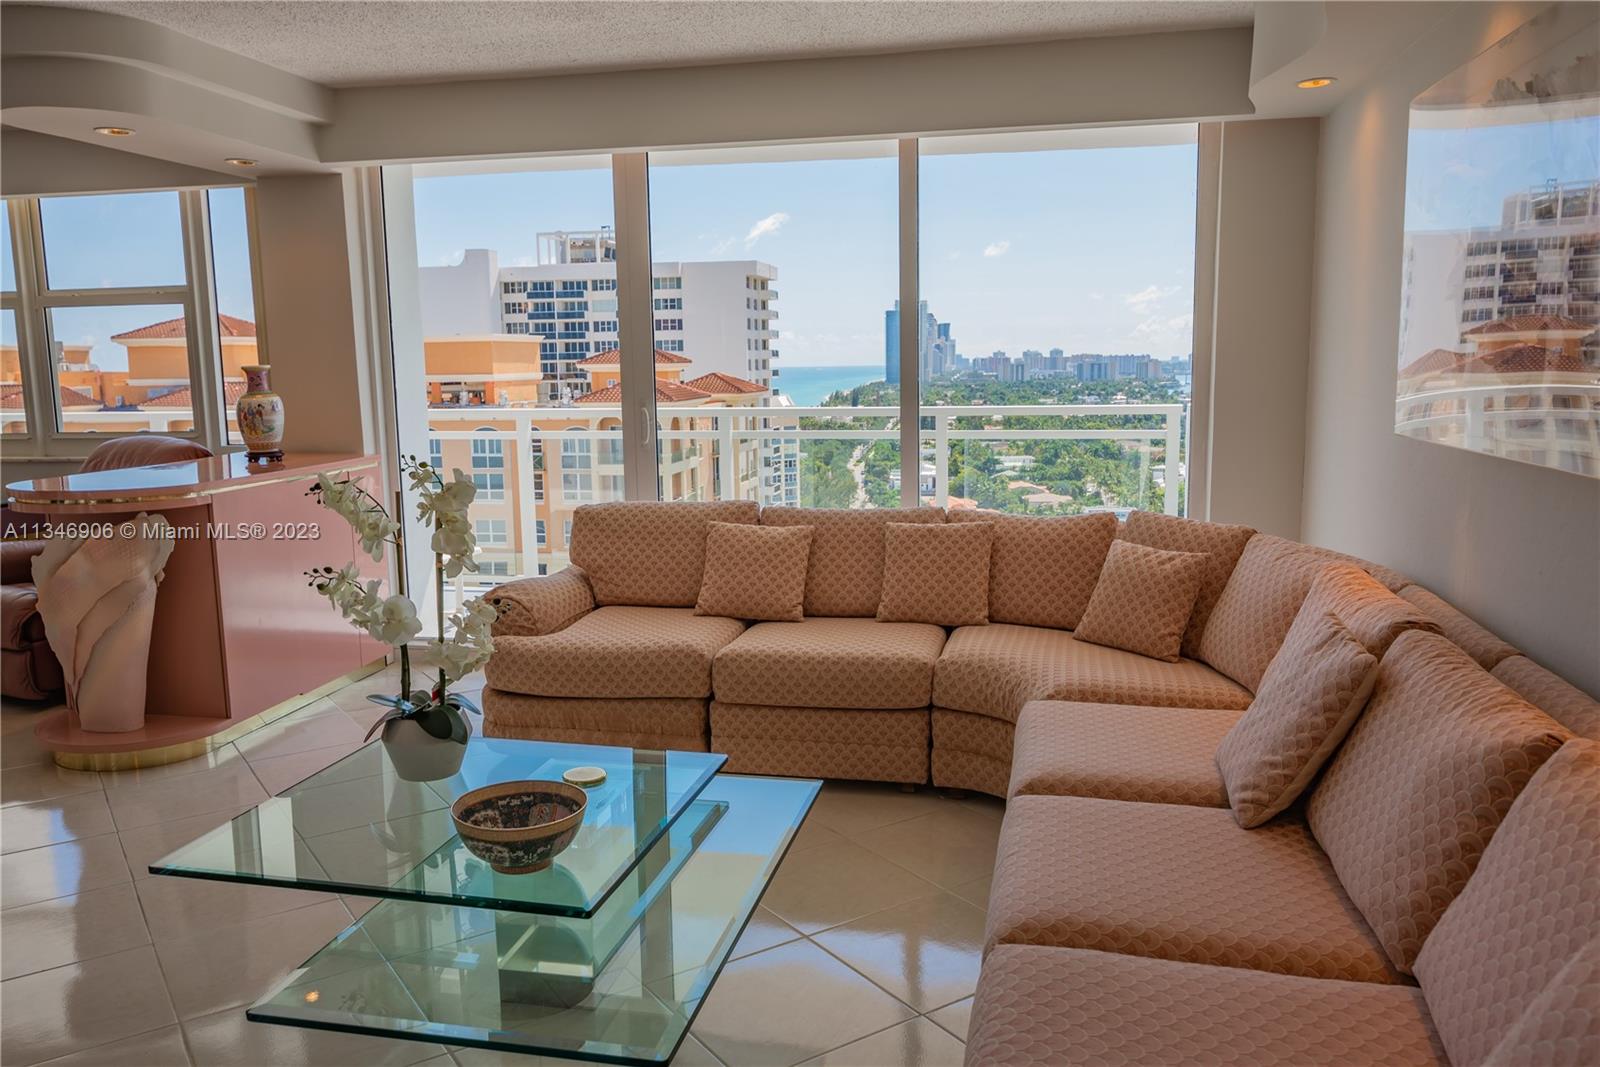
(936, 574)
(1143, 600)
(1312, 693)
(755, 572)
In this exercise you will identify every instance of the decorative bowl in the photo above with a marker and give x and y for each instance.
(519, 827)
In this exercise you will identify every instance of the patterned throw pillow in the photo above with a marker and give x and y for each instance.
(755, 572)
(1309, 698)
(937, 574)
(1143, 599)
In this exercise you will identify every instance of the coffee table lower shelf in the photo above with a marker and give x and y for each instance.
(621, 987)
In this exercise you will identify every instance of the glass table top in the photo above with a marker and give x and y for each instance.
(356, 827)
(556, 985)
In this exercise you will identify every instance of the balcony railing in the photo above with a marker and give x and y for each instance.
(733, 428)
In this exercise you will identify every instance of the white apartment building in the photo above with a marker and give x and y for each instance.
(1543, 259)
(718, 312)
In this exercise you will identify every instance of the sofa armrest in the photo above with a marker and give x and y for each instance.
(16, 560)
(533, 607)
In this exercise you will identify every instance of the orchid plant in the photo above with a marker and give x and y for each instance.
(464, 642)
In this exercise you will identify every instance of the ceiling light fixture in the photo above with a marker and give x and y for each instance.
(113, 131)
(239, 161)
(1319, 82)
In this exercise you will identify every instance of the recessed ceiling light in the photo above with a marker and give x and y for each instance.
(113, 131)
(240, 162)
(1320, 82)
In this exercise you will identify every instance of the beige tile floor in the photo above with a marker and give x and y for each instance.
(864, 951)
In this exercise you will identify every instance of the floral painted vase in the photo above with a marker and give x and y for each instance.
(260, 415)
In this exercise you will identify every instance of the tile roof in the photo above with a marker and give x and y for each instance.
(174, 328)
(1517, 359)
(717, 382)
(184, 398)
(1530, 324)
(609, 358)
(11, 398)
(666, 393)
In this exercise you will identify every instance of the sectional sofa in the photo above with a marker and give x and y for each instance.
(610, 651)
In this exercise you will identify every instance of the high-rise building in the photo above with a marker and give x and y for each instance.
(936, 348)
(720, 310)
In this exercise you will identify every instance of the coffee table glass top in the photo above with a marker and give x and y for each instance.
(356, 827)
(546, 984)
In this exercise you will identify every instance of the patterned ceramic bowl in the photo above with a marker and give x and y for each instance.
(519, 827)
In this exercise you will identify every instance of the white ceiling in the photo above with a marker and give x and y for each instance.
(362, 42)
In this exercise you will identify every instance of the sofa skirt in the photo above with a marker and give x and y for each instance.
(656, 723)
(879, 745)
(971, 751)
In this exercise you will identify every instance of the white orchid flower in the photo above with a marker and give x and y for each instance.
(395, 621)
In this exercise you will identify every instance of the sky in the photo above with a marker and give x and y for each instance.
(1458, 178)
(1090, 250)
(130, 239)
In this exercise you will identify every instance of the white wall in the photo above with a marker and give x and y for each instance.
(1262, 320)
(461, 300)
(1515, 546)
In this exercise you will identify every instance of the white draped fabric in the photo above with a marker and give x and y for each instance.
(97, 597)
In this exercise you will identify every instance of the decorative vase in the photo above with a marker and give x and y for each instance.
(260, 415)
(426, 740)
(417, 755)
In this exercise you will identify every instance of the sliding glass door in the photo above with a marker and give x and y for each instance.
(760, 303)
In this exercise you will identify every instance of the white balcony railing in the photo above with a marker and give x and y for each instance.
(734, 427)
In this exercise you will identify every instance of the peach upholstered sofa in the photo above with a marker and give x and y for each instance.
(1421, 892)
(610, 651)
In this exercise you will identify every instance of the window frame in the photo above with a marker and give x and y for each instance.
(33, 300)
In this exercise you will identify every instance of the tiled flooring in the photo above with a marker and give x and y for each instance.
(864, 951)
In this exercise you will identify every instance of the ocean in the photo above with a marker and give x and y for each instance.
(810, 386)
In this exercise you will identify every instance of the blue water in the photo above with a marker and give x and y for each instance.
(810, 386)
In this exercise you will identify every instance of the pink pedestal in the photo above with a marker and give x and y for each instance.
(237, 630)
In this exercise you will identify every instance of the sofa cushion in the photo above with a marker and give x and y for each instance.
(1408, 804)
(1555, 696)
(672, 723)
(1120, 752)
(1042, 568)
(1561, 1026)
(1175, 882)
(845, 576)
(23, 625)
(1063, 1007)
(754, 572)
(1143, 600)
(936, 574)
(996, 669)
(647, 553)
(1533, 902)
(1317, 685)
(615, 652)
(830, 663)
(1483, 646)
(1255, 611)
(544, 604)
(1221, 542)
(880, 745)
(1372, 614)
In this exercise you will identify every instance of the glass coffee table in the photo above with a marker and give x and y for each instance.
(606, 955)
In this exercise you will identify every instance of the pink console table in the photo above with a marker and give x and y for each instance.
(239, 638)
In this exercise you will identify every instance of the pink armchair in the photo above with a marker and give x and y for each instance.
(28, 669)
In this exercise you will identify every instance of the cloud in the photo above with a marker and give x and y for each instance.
(1173, 328)
(998, 248)
(771, 224)
(722, 247)
(1145, 300)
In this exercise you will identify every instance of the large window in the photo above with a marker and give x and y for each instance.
(515, 282)
(742, 415)
(1055, 327)
(99, 293)
(1047, 347)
